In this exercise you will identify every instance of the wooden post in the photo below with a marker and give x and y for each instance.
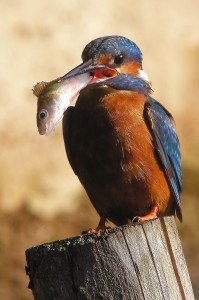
(131, 262)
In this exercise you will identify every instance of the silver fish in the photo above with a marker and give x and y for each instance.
(54, 98)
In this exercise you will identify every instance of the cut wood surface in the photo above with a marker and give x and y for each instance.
(138, 261)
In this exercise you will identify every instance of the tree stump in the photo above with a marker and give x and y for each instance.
(138, 261)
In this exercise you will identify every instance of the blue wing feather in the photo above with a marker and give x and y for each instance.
(167, 146)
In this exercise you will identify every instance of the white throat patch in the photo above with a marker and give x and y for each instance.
(145, 77)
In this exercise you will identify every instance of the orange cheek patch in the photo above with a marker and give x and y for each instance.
(132, 68)
(104, 59)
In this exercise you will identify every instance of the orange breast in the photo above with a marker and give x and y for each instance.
(140, 163)
(114, 155)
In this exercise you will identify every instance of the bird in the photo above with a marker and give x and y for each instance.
(120, 142)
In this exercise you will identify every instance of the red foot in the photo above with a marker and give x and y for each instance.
(98, 228)
(101, 226)
(152, 215)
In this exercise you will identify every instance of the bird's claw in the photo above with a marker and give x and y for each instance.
(136, 219)
(95, 230)
(101, 227)
(150, 216)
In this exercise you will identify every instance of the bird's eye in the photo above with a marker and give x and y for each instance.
(118, 59)
(43, 114)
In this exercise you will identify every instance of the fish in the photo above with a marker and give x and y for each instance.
(54, 98)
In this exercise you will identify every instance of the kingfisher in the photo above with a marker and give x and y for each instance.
(120, 142)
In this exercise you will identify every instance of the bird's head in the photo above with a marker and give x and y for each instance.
(109, 56)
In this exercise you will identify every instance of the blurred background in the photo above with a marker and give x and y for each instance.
(41, 200)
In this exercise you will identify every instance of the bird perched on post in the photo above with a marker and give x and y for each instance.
(120, 142)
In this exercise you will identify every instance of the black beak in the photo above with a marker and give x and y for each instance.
(85, 67)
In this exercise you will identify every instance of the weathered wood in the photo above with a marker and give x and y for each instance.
(131, 262)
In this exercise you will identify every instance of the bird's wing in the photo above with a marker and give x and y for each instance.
(166, 144)
(66, 125)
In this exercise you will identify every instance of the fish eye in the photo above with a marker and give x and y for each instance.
(119, 59)
(43, 114)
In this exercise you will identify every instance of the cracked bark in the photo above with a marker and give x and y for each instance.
(131, 262)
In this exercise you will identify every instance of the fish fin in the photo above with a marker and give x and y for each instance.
(39, 87)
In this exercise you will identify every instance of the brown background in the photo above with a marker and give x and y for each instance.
(40, 198)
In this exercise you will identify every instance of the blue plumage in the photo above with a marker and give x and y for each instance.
(115, 45)
(167, 146)
(128, 82)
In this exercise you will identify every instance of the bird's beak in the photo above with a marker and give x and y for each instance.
(97, 72)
